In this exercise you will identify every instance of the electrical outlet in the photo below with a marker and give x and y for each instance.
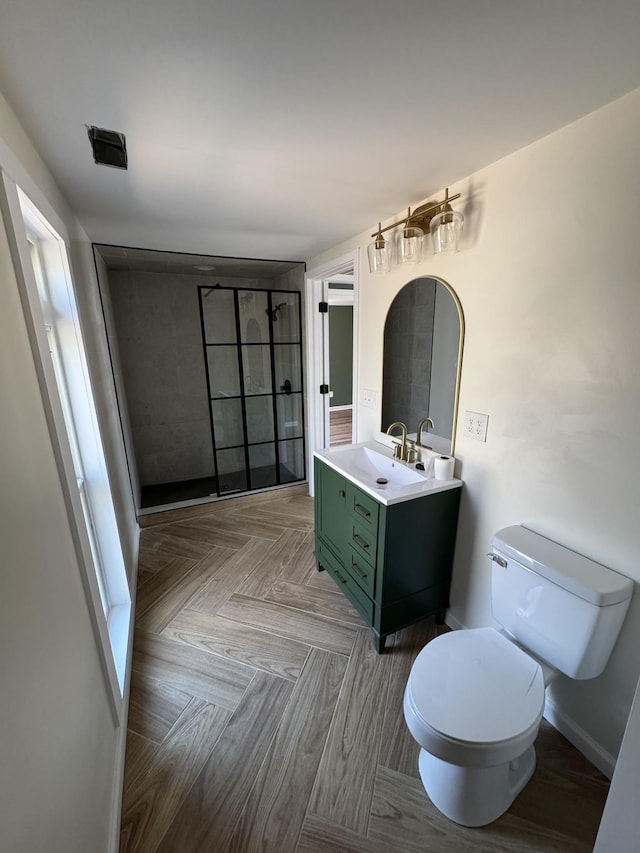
(475, 425)
(369, 398)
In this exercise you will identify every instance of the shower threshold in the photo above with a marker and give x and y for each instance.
(165, 496)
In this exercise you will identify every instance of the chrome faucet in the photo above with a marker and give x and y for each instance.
(404, 450)
(419, 432)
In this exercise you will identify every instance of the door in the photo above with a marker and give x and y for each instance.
(253, 357)
(316, 292)
(337, 360)
(331, 509)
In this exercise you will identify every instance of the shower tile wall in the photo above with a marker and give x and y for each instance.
(157, 322)
(158, 328)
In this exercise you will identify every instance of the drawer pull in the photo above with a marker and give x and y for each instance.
(356, 568)
(339, 576)
(360, 541)
(361, 511)
(342, 493)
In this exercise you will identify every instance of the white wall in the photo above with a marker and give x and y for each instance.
(549, 287)
(60, 750)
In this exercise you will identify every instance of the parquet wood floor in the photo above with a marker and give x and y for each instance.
(262, 719)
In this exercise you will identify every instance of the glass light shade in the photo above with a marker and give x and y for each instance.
(445, 229)
(410, 245)
(380, 254)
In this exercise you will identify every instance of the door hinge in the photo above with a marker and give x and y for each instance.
(323, 307)
(324, 389)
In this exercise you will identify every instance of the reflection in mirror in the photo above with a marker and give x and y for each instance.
(423, 337)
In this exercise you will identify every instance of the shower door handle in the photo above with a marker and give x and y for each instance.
(286, 387)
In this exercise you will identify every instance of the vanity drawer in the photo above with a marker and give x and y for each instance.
(364, 540)
(362, 507)
(361, 571)
(359, 599)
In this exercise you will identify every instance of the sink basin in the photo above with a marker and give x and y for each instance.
(372, 467)
(376, 466)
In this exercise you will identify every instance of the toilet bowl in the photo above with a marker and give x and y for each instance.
(475, 697)
(474, 702)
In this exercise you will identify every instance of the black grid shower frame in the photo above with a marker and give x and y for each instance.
(242, 396)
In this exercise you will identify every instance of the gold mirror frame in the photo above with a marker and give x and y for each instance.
(461, 335)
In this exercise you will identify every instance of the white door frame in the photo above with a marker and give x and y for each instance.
(315, 284)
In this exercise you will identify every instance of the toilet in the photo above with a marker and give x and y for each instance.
(475, 697)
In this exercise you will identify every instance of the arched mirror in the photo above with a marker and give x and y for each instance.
(423, 338)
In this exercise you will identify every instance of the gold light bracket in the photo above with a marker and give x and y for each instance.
(421, 216)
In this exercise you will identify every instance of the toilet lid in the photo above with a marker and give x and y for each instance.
(476, 686)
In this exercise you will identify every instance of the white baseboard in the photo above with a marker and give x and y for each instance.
(583, 742)
(452, 622)
(574, 733)
(113, 842)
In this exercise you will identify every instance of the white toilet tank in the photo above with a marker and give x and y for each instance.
(563, 607)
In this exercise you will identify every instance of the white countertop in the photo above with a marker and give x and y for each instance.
(363, 469)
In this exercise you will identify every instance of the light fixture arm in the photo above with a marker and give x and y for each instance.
(421, 216)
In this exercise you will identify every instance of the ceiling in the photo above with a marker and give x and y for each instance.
(277, 128)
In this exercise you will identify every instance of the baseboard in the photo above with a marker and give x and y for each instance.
(583, 742)
(113, 845)
(113, 842)
(453, 623)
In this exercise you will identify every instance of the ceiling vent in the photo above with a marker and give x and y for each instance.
(109, 147)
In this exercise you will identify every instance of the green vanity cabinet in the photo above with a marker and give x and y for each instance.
(392, 562)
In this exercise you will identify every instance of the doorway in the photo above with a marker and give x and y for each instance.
(332, 283)
(339, 358)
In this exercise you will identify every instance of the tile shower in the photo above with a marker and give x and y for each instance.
(211, 379)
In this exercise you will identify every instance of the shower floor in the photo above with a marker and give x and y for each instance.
(184, 490)
(205, 487)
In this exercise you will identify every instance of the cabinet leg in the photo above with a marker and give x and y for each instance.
(319, 567)
(439, 617)
(379, 643)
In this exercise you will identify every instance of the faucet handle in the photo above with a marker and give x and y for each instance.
(410, 452)
(397, 450)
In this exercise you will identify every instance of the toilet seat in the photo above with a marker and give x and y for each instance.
(474, 698)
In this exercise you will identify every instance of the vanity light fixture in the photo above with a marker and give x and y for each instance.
(438, 218)
(380, 253)
(445, 228)
(409, 242)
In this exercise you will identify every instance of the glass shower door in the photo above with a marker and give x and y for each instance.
(287, 367)
(252, 343)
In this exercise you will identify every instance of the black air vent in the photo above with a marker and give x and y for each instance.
(109, 147)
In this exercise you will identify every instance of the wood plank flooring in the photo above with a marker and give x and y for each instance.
(261, 719)
(340, 427)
